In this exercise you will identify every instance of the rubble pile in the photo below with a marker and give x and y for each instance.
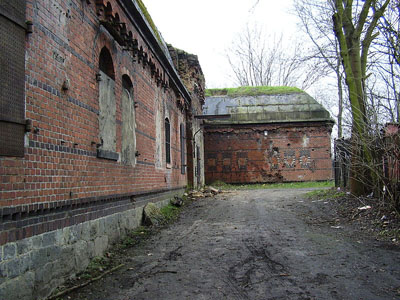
(203, 193)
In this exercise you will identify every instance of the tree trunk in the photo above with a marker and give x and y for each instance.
(354, 54)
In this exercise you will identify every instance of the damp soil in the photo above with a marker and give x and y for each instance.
(256, 244)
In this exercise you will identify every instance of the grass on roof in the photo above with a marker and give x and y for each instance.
(149, 20)
(252, 91)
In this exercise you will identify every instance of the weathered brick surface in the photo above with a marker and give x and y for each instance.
(190, 71)
(60, 171)
(268, 153)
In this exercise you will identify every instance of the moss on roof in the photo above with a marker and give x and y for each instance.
(149, 20)
(265, 105)
(252, 91)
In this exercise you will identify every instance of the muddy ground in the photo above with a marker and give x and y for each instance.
(258, 244)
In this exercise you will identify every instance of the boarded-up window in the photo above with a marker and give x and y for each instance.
(107, 114)
(12, 77)
(128, 156)
(183, 155)
(198, 169)
(167, 141)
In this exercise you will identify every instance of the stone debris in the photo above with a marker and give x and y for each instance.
(197, 194)
(152, 215)
(214, 190)
(206, 192)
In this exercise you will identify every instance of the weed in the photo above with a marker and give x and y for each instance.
(170, 212)
(325, 194)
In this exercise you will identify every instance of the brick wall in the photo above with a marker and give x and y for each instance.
(60, 170)
(268, 153)
(191, 74)
(79, 172)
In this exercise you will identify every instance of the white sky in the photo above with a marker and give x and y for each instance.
(207, 28)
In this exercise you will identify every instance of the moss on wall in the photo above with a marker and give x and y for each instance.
(149, 20)
(252, 91)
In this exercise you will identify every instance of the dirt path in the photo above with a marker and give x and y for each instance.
(259, 244)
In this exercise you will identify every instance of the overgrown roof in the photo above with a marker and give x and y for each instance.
(263, 105)
(149, 20)
(147, 29)
(252, 91)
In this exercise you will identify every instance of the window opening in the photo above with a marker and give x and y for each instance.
(167, 141)
(183, 160)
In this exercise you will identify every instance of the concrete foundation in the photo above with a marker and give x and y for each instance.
(33, 267)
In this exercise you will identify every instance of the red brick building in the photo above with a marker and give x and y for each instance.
(279, 137)
(96, 120)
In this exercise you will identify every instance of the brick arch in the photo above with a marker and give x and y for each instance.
(127, 82)
(113, 18)
(106, 62)
(100, 41)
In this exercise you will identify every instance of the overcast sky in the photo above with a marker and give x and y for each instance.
(207, 28)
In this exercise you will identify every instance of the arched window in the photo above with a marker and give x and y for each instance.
(107, 111)
(128, 151)
(106, 64)
(167, 141)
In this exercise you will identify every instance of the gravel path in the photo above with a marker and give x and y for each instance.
(258, 244)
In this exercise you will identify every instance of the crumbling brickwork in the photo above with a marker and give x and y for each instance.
(190, 71)
(266, 134)
(268, 153)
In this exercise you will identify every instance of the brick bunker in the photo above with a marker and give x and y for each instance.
(279, 136)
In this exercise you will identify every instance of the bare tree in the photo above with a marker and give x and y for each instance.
(355, 26)
(257, 59)
(389, 45)
(316, 21)
(364, 44)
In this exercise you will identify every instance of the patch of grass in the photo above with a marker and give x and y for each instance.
(170, 212)
(289, 185)
(96, 266)
(133, 237)
(252, 91)
(326, 194)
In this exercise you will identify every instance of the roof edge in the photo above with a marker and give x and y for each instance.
(143, 27)
(244, 91)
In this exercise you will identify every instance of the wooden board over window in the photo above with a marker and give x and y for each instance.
(12, 77)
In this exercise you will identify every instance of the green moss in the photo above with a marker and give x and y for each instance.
(252, 91)
(149, 20)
